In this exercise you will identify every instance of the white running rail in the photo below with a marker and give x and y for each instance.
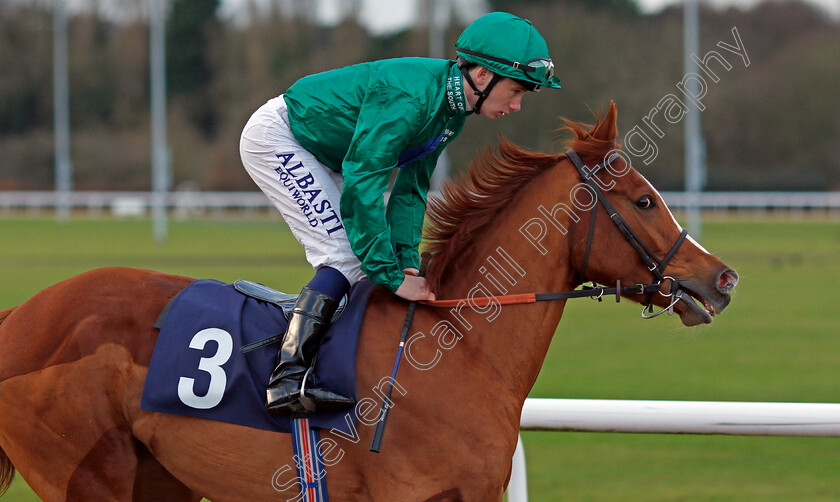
(670, 417)
(195, 199)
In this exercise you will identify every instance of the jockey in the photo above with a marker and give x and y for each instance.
(323, 153)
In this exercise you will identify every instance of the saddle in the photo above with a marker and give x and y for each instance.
(285, 301)
(261, 292)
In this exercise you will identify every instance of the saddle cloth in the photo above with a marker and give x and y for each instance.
(197, 369)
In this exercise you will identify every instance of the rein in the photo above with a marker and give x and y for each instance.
(653, 263)
(594, 292)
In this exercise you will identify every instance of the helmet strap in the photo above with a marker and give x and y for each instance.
(482, 95)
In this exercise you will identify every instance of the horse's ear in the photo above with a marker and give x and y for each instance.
(607, 129)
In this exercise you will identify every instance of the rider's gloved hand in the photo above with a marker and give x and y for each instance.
(414, 288)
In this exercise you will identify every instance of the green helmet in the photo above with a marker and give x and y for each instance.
(508, 46)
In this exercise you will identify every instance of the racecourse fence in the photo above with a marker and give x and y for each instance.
(195, 203)
(669, 417)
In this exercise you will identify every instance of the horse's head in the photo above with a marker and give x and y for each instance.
(635, 239)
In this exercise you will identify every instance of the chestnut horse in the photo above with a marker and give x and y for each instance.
(75, 356)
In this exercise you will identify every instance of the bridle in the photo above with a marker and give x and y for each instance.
(655, 265)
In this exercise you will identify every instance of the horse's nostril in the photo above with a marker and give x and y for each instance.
(727, 281)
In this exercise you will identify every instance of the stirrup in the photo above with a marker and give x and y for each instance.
(307, 403)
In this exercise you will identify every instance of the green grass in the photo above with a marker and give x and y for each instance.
(779, 341)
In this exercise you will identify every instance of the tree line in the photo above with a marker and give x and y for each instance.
(768, 125)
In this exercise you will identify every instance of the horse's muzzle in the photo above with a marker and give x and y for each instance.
(705, 300)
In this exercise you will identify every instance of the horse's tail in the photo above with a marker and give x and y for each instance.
(7, 470)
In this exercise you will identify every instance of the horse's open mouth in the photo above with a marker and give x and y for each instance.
(700, 300)
(695, 313)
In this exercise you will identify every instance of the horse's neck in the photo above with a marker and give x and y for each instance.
(511, 339)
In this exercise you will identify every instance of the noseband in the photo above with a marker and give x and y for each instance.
(653, 263)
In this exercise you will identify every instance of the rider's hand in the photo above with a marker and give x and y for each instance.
(414, 288)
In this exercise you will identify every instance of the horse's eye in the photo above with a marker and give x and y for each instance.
(646, 202)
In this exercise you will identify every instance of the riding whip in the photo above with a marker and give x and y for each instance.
(376, 444)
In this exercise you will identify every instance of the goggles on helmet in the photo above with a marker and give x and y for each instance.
(540, 70)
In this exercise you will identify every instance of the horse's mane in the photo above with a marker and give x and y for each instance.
(468, 204)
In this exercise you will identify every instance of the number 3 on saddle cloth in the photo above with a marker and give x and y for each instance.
(198, 370)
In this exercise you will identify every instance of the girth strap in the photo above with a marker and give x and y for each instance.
(312, 476)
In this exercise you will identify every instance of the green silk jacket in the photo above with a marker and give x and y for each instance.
(367, 119)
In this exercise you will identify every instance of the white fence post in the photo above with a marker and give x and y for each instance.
(517, 490)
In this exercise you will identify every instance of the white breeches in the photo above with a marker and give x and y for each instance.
(306, 192)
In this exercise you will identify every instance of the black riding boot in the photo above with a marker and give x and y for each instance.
(310, 319)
